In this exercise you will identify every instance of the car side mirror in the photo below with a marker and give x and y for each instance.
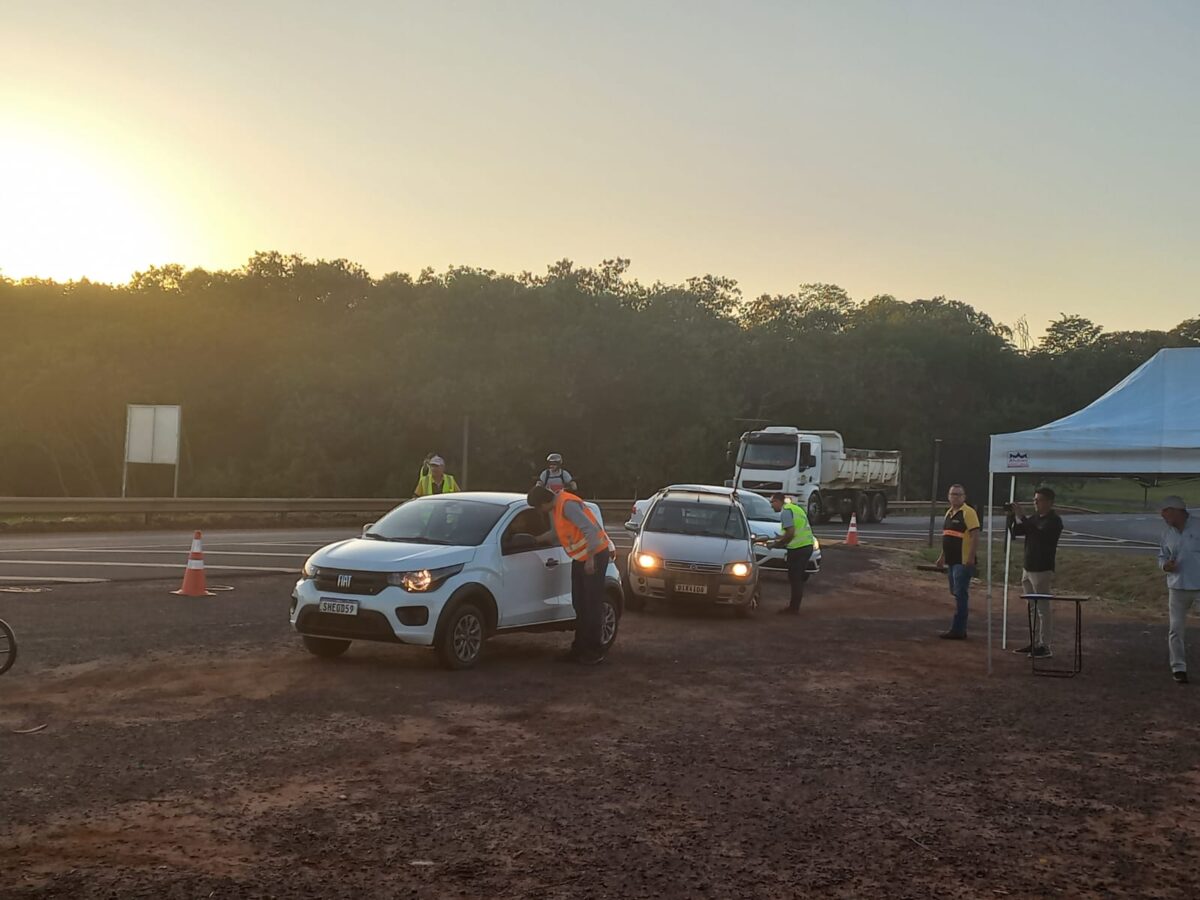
(367, 528)
(810, 460)
(631, 528)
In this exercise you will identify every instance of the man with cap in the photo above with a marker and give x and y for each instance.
(1179, 557)
(434, 479)
(555, 477)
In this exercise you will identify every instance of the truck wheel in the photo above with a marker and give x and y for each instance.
(815, 512)
(862, 506)
(879, 507)
(846, 507)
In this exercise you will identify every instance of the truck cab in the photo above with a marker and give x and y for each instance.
(818, 471)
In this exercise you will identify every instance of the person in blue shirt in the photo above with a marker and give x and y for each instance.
(1179, 557)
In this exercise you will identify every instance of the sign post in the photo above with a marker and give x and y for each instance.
(151, 437)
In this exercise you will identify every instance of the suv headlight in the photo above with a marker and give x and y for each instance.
(739, 569)
(309, 570)
(423, 580)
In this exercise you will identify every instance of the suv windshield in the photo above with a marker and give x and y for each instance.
(755, 455)
(697, 518)
(757, 507)
(439, 520)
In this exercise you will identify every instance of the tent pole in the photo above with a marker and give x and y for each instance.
(1012, 495)
(991, 500)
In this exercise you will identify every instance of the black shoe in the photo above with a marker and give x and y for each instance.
(1041, 653)
(1180, 677)
(952, 636)
(788, 611)
(1024, 651)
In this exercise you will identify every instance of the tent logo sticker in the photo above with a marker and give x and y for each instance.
(1018, 460)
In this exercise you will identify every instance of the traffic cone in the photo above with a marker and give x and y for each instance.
(193, 575)
(852, 534)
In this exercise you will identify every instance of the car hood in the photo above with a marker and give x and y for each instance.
(692, 548)
(365, 554)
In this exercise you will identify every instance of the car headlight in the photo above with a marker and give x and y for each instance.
(309, 570)
(422, 580)
(739, 569)
(647, 561)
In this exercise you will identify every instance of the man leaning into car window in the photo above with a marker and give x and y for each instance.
(575, 527)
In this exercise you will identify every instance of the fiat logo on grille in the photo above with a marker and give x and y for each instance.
(344, 580)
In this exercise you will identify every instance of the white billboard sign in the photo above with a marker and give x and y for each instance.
(152, 436)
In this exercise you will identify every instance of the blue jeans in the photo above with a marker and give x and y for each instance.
(587, 596)
(960, 577)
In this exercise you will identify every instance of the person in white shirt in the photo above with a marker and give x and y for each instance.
(1179, 557)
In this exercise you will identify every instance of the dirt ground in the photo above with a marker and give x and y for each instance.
(193, 749)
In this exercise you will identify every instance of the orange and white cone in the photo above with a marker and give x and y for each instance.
(852, 534)
(193, 575)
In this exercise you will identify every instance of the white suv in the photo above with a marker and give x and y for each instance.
(446, 571)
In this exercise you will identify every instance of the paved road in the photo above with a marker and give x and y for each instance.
(129, 556)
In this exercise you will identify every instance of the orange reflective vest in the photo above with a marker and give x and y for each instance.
(570, 535)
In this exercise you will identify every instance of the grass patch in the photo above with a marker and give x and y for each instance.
(1120, 581)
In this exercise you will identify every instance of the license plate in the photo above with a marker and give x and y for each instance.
(340, 607)
(692, 588)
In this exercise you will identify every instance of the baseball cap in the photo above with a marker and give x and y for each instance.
(554, 458)
(1173, 502)
(436, 461)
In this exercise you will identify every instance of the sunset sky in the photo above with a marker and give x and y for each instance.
(1029, 158)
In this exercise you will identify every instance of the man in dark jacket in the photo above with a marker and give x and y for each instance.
(1041, 532)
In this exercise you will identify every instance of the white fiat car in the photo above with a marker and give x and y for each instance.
(448, 572)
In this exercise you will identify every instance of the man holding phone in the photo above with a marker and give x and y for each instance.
(1041, 532)
(1179, 557)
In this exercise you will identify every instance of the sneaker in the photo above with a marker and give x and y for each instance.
(1180, 677)
(952, 636)
(1024, 651)
(1041, 653)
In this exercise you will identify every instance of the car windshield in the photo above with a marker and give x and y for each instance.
(773, 455)
(697, 518)
(439, 520)
(757, 507)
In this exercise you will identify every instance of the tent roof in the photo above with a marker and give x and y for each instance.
(1149, 424)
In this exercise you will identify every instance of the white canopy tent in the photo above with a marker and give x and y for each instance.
(1148, 425)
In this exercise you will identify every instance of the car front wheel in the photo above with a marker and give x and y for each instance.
(749, 608)
(461, 643)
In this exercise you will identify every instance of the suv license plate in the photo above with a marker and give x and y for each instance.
(340, 607)
(692, 588)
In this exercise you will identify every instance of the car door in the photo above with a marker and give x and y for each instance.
(532, 575)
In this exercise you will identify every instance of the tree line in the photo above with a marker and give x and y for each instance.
(311, 378)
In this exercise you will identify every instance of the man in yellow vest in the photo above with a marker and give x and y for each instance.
(796, 536)
(583, 537)
(434, 479)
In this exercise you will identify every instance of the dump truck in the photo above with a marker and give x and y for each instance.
(818, 471)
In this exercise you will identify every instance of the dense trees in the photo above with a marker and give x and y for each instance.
(311, 378)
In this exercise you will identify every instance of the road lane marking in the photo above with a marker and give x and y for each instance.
(86, 550)
(25, 579)
(137, 565)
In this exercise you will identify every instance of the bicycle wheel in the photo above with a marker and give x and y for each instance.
(8, 647)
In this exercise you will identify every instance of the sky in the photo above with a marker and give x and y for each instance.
(1028, 158)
